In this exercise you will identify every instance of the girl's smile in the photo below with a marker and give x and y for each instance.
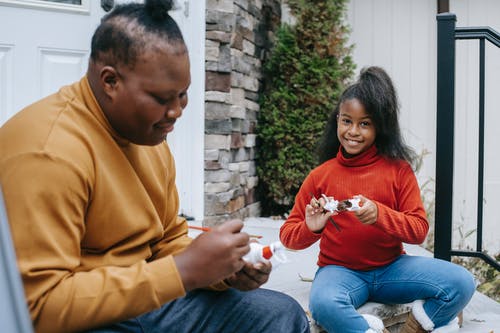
(355, 128)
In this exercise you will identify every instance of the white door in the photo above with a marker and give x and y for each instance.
(46, 44)
(43, 45)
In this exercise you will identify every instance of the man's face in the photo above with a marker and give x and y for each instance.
(149, 97)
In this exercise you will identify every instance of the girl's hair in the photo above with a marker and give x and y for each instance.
(123, 33)
(375, 90)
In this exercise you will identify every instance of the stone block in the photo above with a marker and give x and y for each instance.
(211, 50)
(240, 65)
(224, 62)
(212, 165)
(235, 204)
(233, 167)
(238, 96)
(237, 111)
(236, 124)
(251, 105)
(219, 21)
(237, 41)
(251, 114)
(243, 180)
(217, 141)
(212, 66)
(217, 187)
(217, 176)
(244, 166)
(225, 158)
(240, 155)
(217, 96)
(245, 126)
(251, 153)
(218, 36)
(211, 155)
(252, 95)
(243, 81)
(252, 181)
(217, 111)
(236, 140)
(235, 181)
(218, 126)
(217, 81)
(248, 47)
(242, 3)
(252, 167)
(221, 5)
(250, 140)
(245, 26)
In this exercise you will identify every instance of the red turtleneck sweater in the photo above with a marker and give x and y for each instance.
(390, 184)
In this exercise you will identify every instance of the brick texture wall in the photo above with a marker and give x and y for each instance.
(238, 37)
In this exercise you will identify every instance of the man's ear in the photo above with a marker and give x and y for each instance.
(109, 80)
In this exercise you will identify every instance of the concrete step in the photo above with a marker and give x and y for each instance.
(393, 316)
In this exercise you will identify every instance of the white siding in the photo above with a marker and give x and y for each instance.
(400, 35)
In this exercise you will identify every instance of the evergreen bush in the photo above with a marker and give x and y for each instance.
(307, 70)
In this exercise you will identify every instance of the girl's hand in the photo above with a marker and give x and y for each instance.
(316, 217)
(368, 211)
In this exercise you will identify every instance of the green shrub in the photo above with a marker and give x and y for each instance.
(307, 70)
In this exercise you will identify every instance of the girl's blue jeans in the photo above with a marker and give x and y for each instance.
(337, 291)
(230, 311)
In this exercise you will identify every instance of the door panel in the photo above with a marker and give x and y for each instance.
(46, 44)
(42, 47)
(58, 65)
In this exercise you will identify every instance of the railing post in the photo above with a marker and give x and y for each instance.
(445, 134)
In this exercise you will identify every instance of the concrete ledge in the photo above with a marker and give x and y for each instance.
(393, 316)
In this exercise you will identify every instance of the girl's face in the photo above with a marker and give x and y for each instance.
(355, 128)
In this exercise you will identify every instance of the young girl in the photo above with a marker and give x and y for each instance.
(361, 255)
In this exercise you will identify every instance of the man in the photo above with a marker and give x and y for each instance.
(89, 184)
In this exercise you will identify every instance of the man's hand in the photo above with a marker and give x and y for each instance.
(213, 255)
(251, 276)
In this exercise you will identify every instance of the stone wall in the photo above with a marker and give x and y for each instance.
(238, 35)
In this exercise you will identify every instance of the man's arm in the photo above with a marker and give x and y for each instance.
(47, 200)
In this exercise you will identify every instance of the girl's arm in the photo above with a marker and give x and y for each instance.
(408, 221)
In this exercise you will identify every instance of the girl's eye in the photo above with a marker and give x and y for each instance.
(345, 121)
(365, 124)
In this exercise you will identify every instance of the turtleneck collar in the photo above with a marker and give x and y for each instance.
(94, 107)
(367, 157)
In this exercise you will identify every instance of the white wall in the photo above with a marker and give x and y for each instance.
(187, 140)
(476, 13)
(400, 35)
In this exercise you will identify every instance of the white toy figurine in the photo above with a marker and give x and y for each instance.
(340, 206)
(261, 253)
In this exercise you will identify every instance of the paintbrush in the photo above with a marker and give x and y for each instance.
(209, 229)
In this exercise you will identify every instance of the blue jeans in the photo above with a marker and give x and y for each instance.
(337, 291)
(230, 311)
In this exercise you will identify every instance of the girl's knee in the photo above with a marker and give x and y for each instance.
(464, 280)
(324, 304)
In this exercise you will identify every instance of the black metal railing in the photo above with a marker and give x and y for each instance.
(447, 34)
